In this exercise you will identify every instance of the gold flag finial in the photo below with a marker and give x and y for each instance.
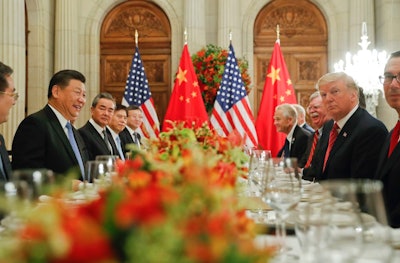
(136, 37)
(230, 36)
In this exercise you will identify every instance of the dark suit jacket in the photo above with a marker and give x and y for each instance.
(95, 144)
(388, 172)
(41, 142)
(307, 127)
(356, 148)
(314, 171)
(298, 144)
(5, 159)
(126, 138)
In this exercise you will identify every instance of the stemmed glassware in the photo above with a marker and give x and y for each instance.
(359, 220)
(282, 192)
(257, 165)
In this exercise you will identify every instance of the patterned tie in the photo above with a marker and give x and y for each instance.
(136, 139)
(75, 148)
(332, 138)
(314, 144)
(107, 142)
(395, 138)
(286, 149)
(119, 148)
(2, 170)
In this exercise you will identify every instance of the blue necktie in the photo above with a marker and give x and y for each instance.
(75, 148)
(121, 154)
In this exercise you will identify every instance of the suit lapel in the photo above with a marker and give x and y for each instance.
(385, 164)
(59, 131)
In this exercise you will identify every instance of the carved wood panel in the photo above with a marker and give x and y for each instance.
(303, 38)
(117, 48)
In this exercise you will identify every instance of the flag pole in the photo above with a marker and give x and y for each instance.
(277, 34)
(230, 36)
(185, 36)
(136, 37)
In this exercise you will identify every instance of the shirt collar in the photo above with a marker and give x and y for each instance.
(343, 121)
(98, 128)
(63, 121)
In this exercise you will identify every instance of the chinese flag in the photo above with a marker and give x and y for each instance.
(278, 89)
(186, 103)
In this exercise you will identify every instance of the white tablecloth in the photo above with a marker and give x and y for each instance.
(293, 243)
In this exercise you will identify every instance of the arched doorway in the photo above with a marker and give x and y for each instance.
(117, 44)
(303, 38)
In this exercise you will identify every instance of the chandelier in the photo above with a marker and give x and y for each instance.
(365, 67)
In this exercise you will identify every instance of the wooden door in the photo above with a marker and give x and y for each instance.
(303, 41)
(117, 46)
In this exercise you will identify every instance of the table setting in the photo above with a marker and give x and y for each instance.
(335, 221)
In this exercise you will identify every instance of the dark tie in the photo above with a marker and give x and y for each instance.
(107, 142)
(314, 144)
(395, 138)
(2, 170)
(332, 138)
(75, 148)
(136, 138)
(286, 150)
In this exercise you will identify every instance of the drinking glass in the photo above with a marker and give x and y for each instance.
(29, 184)
(364, 199)
(282, 192)
(312, 219)
(111, 161)
(257, 165)
(96, 172)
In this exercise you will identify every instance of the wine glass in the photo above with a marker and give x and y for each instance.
(111, 161)
(363, 198)
(96, 172)
(282, 192)
(257, 165)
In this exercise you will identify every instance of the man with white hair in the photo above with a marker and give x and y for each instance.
(285, 120)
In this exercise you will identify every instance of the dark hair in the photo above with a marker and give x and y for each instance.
(5, 70)
(62, 79)
(133, 107)
(395, 54)
(103, 95)
(121, 107)
(3, 83)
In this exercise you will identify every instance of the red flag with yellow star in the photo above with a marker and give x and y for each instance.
(278, 89)
(186, 103)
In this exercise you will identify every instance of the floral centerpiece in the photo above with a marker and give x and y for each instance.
(209, 63)
(176, 202)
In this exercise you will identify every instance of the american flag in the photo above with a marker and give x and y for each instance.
(231, 108)
(137, 93)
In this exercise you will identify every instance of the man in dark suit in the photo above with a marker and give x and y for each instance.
(130, 134)
(285, 120)
(388, 165)
(116, 125)
(355, 138)
(8, 97)
(46, 139)
(320, 119)
(95, 132)
(301, 118)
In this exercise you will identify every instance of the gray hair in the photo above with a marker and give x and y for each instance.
(288, 110)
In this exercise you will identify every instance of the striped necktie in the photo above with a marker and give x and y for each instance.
(332, 138)
(314, 145)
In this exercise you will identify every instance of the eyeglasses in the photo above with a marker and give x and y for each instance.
(386, 79)
(15, 95)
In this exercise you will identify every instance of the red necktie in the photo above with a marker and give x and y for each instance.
(314, 144)
(395, 138)
(332, 138)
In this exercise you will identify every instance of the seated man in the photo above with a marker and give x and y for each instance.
(285, 120)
